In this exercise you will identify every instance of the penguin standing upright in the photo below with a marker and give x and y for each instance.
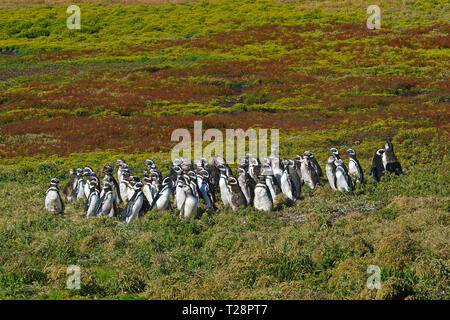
(108, 170)
(68, 188)
(343, 181)
(162, 199)
(377, 168)
(106, 206)
(263, 200)
(223, 179)
(189, 209)
(78, 190)
(53, 201)
(330, 170)
(271, 181)
(310, 155)
(92, 200)
(286, 181)
(335, 153)
(121, 165)
(276, 166)
(204, 187)
(136, 206)
(309, 174)
(125, 186)
(390, 161)
(354, 168)
(247, 184)
(254, 167)
(236, 198)
(88, 172)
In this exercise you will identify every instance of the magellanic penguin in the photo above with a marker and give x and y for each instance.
(78, 190)
(286, 182)
(124, 186)
(354, 168)
(109, 177)
(390, 161)
(204, 188)
(88, 172)
(310, 155)
(68, 188)
(271, 181)
(330, 170)
(236, 198)
(309, 174)
(254, 167)
(53, 201)
(92, 200)
(147, 189)
(247, 184)
(189, 208)
(223, 184)
(162, 199)
(263, 200)
(343, 181)
(276, 167)
(377, 168)
(180, 195)
(121, 165)
(106, 206)
(136, 206)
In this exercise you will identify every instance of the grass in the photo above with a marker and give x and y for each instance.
(118, 88)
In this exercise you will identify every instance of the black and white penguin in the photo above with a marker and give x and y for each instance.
(109, 177)
(236, 198)
(343, 181)
(390, 161)
(263, 200)
(148, 189)
(106, 206)
(287, 186)
(310, 155)
(125, 186)
(247, 184)
(136, 206)
(354, 168)
(53, 201)
(204, 187)
(330, 170)
(254, 167)
(377, 168)
(276, 165)
(78, 190)
(88, 172)
(179, 190)
(153, 170)
(68, 188)
(162, 199)
(270, 180)
(309, 173)
(121, 166)
(223, 180)
(189, 207)
(93, 198)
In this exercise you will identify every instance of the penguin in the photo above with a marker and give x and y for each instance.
(286, 182)
(136, 206)
(204, 188)
(310, 155)
(88, 172)
(124, 186)
(330, 170)
(189, 208)
(254, 167)
(263, 200)
(247, 184)
(390, 161)
(108, 170)
(148, 189)
(343, 181)
(121, 166)
(106, 206)
(162, 199)
(354, 168)
(186, 165)
(68, 188)
(53, 201)
(309, 173)
(236, 198)
(153, 169)
(223, 184)
(78, 190)
(377, 168)
(271, 182)
(180, 195)
(192, 180)
(93, 198)
(335, 153)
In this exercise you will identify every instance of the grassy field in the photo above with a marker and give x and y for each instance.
(135, 72)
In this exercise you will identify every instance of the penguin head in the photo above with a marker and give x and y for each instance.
(334, 151)
(54, 182)
(266, 161)
(108, 169)
(176, 162)
(125, 167)
(167, 182)
(308, 154)
(138, 185)
(107, 186)
(204, 174)
(241, 171)
(150, 163)
(178, 170)
(119, 162)
(379, 152)
(126, 175)
(222, 168)
(285, 162)
(253, 161)
(351, 152)
(266, 170)
(93, 184)
(88, 171)
(80, 171)
(338, 162)
(147, 179)
(388, 146)
(192, 175)
(232, 185)
(145, 173)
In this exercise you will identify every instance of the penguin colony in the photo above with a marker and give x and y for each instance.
(256, 183)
